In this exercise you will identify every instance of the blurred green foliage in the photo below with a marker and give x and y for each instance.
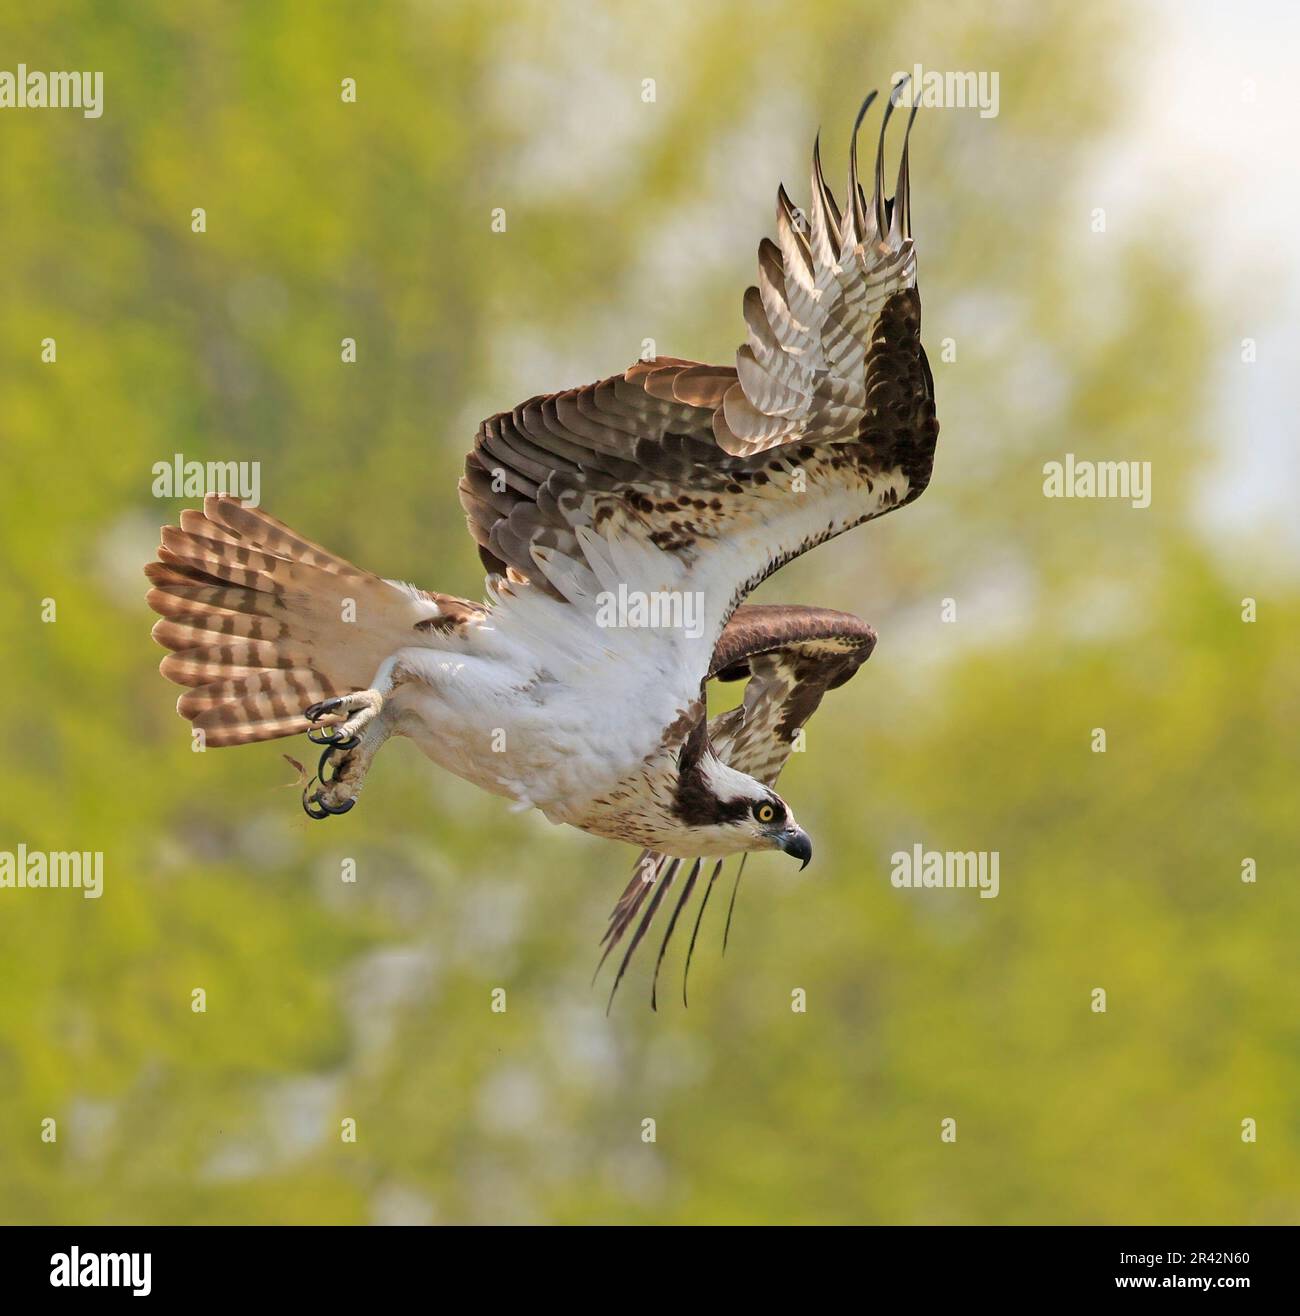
(627, 220)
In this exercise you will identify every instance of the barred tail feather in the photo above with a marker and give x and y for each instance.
(254, 617)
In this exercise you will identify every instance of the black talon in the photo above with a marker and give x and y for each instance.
(317, 711)
(325, 810)
(326, 759)
(308, 801)
(328, 736)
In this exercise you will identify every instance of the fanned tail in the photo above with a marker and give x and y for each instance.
(257, 621)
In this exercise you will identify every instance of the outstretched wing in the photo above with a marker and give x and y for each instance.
(792, 656)
(826, 420)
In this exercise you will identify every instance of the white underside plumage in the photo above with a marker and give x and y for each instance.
(541, 704)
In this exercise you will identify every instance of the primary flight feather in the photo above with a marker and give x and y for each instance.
(622, 525)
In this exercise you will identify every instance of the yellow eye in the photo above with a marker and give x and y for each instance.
(765, 813)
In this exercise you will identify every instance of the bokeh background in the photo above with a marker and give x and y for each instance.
(629, 220)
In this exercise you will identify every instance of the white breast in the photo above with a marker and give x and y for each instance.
(546, 706)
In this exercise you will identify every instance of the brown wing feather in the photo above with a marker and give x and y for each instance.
(678, 452)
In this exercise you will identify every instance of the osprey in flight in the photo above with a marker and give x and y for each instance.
(622, 525)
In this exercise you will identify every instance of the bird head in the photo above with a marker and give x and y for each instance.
(728, 812)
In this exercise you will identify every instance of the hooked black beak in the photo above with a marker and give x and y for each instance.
(795, 842)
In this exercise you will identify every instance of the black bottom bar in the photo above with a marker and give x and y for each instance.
(338, 1264)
